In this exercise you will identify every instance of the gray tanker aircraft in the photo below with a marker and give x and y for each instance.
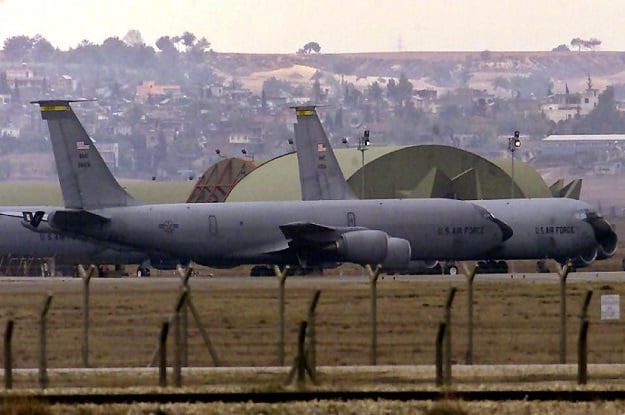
(388, 232)
(17, 241)
(554, 228)
(20, 242)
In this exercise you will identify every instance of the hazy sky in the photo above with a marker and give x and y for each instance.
(283, 26)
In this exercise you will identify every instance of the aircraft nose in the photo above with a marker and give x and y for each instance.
(506, 231)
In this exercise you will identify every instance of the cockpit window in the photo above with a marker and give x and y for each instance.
(588, 214)
(580, 214)
(486, 214)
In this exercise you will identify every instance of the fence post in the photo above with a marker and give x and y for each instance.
(301, 356)
(177, 339)
(470, 274)
(310, 332)
(8, 355)
(281, 274)
(300, 364)
(43, 369)
(450, 299)
(563, 273)
(373, 279)
(185, 274)
(86, 278)
(439, 353)
(582, 342)
(162, 355)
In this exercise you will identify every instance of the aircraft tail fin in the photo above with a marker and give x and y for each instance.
(86, 181)
(320, 175)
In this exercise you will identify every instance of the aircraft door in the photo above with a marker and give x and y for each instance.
(212, 225)
(351, 219)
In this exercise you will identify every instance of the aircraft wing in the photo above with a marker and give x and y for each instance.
(307, 233)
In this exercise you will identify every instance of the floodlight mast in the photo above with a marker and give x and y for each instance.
(514, 143)
(363, 145)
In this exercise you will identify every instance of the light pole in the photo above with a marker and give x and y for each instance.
(363, 145)
(514, 143)
(218, 152)
(248, 155)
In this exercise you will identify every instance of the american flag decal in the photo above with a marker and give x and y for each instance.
(321, 148)
(81, 145)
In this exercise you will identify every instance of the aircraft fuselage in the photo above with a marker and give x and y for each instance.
(238, 233)
(543, 228)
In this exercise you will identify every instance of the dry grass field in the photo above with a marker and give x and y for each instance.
(516, 322)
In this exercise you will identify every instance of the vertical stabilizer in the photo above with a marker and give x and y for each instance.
(320, 175)
(86, 181)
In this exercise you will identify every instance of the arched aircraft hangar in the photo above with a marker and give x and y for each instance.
(219, 179)
(410, 172)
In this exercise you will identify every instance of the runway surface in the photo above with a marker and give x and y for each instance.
(173, 280)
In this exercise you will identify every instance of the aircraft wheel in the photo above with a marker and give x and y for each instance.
(541, 266)
(261, 271)
(143, 272)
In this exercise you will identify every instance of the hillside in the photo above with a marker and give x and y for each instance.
(436, 70)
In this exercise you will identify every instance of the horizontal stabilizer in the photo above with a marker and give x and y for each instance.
(72, 219)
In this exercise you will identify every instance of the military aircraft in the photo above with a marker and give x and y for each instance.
(18, 242)
(545, 228)
(378, 232)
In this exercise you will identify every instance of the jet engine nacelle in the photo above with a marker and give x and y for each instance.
(607, 246)
(398, 253)
(373, 247)
(583, 260)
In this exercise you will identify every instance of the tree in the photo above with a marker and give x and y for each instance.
(391, 88)
(188, 40)
(561, 48)
(310, 47)
(404, 89)
(577, 43)
(4, 83)
(86, 53)
(42, 50)
(263, 101)
(593, 43)
(17, 48)
(604, 118)
(166, 44)
(198, 49)
(374, 91)
(114, 50)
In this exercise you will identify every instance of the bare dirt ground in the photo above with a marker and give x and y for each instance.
(516, 322)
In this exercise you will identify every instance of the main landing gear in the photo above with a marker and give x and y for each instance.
(492, 267)
(143, 271)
